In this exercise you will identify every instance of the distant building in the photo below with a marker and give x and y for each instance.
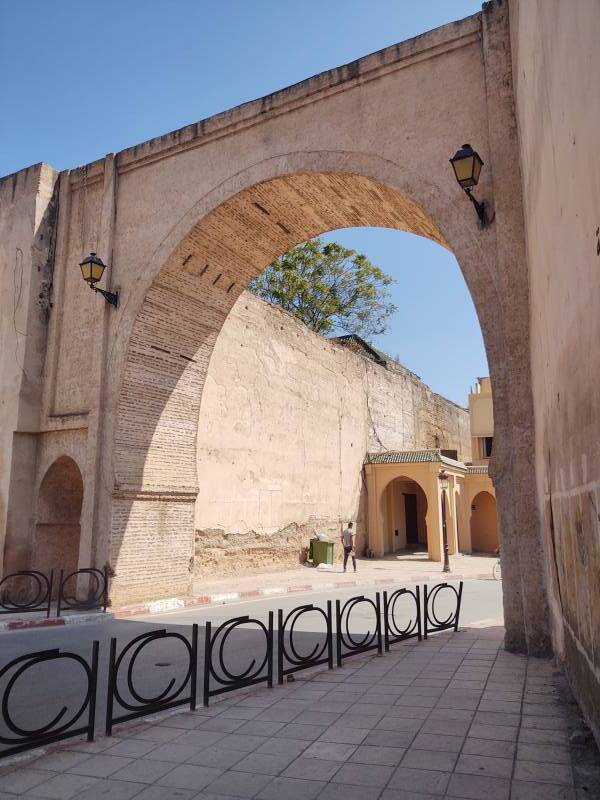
(481, 416)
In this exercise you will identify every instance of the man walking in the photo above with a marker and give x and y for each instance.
(348, 543)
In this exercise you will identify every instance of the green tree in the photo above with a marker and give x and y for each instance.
(331, 288)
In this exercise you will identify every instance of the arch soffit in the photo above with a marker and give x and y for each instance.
(405, 478)
(473, 248)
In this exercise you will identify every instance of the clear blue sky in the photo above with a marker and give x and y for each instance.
(82, 78)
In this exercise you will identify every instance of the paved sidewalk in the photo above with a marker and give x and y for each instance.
(399, 569)
(453, 717)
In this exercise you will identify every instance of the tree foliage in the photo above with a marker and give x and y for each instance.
(331, 288)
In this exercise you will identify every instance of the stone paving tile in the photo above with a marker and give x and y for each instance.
(344, 735)
(406, 794)
(330, 751)
(501, 732)
(317, 768)
(20, 780)
(264, 763)
(429, 759)
(543, 773)
(165, 793)
(401, 739)
(419, 780)
(533, 736)
(197, 738)
(363, 774)
(62, 759)
(275, 714)
(157, 733)
(260, 727)
(344, 791)
(62, 787)
(240, 712)
(290, 789)
(371, 754)
(112, 789)
(130, 747)
(283, 747)
(243, 742)
(485, 765)
(99, 766)
(489, 747)
(143, 770)
(308, 732)
(526, 790)
(174, 753)
(478, 787)
(452, 727)
(546, 753)
(189, 776)
(433, 741)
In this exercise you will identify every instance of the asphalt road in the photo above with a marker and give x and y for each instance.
(44, 689)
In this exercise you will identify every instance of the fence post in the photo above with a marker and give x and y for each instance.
(458, 602)
(419, 617)
(386, 635)
(425, 610)
(270, 652)
(329, 637)
(50, 585)
(338, 632)
(378, 607)
(110, 694)
(280, 646)
(194, 667)
(60, 593)
(92, 690)
(207, 658)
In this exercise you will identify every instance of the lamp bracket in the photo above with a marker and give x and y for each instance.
(479, 208)
(110, 297)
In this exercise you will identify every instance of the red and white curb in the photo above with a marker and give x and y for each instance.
(171, 604)
(54, 622)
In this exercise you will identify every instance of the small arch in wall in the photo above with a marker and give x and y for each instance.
(404, 516)
(58, 518)
(484, 523)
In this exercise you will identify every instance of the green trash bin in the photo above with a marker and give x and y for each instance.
(322, 552)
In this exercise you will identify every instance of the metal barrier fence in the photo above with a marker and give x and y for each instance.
(95, 595)
(347, 643)
(22, 738)
(141, 705)
(29, 590)
(25, 591)
(289, 657)
(226, 679)
(218, 676)
(393, 632)
(433, 623)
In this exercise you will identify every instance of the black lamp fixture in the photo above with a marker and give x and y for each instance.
(467, 165)
(92, 269)
(444, 483)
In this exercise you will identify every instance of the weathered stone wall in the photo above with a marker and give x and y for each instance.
(556, 68)
(285, 422)
(27, 217)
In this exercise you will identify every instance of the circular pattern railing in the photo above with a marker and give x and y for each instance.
(226, 677)
(393, 629)
(63, 724)
(138, 703)
(349, 643)
(434, 619)
(95, 595)
(25, 591)
(290, 657)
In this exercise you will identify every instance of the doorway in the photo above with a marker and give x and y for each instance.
(410, 515)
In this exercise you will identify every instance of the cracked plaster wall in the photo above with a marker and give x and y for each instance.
(285, 422)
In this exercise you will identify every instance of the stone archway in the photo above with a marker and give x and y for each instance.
(484, 524)
(58, 519)
(231, 236)
(404, 513)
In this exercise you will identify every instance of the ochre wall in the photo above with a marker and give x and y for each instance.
(556, 69)
(285, 422)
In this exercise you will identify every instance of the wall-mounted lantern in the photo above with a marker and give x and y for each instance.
(467, 165)
(444, 483)
(92, 269)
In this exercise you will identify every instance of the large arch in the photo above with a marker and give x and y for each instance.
(232, 234)
(186, 219)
